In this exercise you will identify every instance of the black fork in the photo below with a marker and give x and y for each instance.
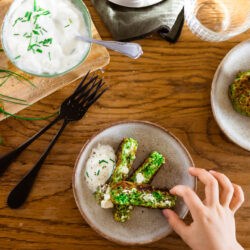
(72, 109)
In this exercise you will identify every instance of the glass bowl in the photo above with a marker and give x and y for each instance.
(87, 18)
(217, 20)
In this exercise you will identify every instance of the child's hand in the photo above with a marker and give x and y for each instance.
(213, 226)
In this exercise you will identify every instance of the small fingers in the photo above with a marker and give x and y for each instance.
(227, 189)
(176, 223)
(238, 198)
(211, 185)
(191, 199)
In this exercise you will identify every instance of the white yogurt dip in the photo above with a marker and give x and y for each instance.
(40, 35)
(99, 166)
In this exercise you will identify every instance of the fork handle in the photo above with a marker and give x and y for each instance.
(7, 159)
(21, 191)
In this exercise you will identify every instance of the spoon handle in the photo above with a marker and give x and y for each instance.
(21, 191)
(132, 50)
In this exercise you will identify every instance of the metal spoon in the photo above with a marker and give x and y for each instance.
(132, 50)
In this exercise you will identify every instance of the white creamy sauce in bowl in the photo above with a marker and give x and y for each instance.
(99, 166)
(39, 36)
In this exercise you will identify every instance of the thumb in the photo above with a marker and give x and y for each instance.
(176, 223)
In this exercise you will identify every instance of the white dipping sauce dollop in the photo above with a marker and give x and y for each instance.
(99, 166)
(40, 35)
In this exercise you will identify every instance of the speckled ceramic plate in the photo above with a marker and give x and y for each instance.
(232, 123)
(146, 225)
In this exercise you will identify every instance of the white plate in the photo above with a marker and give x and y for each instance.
(146, 225)
(232, 123)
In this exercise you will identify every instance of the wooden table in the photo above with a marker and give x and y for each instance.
(170, 85)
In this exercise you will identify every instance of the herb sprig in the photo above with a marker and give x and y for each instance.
(13, 98)
(27, 118)
(11, 73)
(18, 101)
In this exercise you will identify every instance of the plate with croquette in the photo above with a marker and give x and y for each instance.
(230, 95)
(122, 179)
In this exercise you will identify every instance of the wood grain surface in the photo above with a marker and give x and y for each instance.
(98, 58)
(170, 85)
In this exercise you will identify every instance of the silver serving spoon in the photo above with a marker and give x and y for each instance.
(132, 50)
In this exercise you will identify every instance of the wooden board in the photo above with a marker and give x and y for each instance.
(169, 85)
(97, 59)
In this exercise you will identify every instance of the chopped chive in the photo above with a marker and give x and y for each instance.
(5, 100)
(46, 41)
(29, 17)
(98, 172)
(18, 19)
(35, 17)
(41, 32)
(70, 22)
(37, 26)
(31, 46)
(16, 34)
(34, 5)
(86, 172)
(30, 41)
(40, 9)
(26, 118)
(45, 13)
(44, 30)
(35, 32)
(49, 56)
(27, 13)
(1, 50)
(102, 161)
(111, 160)
(17, 57)
(39, 51)
(13, 98)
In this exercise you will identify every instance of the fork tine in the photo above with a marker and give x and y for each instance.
(82, 81)
(85, 99)
(83, 88)
(91, 102)
(86, 93)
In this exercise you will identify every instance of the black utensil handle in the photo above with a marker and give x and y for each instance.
(21, 191)
(7, 159)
